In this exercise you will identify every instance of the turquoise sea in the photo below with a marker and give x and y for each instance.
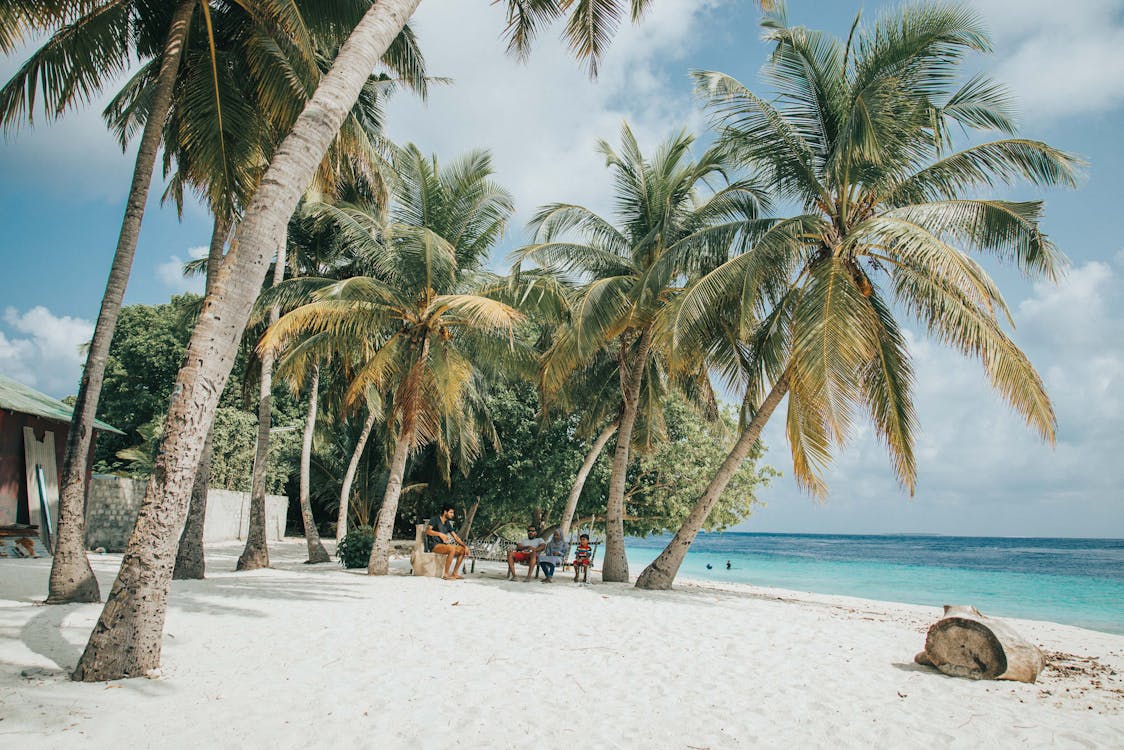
(1073, 581)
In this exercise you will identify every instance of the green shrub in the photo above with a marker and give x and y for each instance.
(354, 550)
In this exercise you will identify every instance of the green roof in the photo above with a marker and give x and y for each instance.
(17, 397)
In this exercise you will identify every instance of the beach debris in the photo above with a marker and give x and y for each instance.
(966, 643)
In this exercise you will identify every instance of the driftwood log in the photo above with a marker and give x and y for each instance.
(965, 643)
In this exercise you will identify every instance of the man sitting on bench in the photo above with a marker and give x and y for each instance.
(442, 540)
(526, 551)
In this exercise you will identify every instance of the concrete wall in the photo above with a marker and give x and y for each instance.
(113, 503)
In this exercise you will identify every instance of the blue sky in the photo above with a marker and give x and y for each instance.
(63, 188)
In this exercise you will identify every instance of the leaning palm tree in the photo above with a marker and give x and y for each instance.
(239, 88)
(90, 44)
(422, 329)
(628, 281)
(860, 138)
(134, 612)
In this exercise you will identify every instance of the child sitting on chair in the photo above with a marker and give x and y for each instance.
(583, 555)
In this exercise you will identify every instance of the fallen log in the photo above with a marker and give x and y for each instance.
(965, 643)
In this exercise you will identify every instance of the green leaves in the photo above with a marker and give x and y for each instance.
(72, 66)
(859, 135)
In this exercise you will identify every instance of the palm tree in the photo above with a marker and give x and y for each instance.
(628, 279)
(134, 611)
(426, 328)
(221, 130)
(860, 138)
(91, 44)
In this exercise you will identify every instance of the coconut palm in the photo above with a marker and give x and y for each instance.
(134, 612)
(859, 136)
(424, 331)
(90, 45)
(628, 280)
(221, 130)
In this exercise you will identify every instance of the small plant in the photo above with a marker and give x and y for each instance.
(354, 550)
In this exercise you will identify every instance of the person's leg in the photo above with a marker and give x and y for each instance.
(511, 563)
(460, 553)
(447, 551)
(532, 561)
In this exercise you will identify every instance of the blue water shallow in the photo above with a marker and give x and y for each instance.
(1073, 581)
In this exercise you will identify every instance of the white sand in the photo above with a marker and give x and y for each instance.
(302, 656)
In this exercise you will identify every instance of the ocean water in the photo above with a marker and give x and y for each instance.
(1073, 581)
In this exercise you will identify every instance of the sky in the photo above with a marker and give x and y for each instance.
(981, 472)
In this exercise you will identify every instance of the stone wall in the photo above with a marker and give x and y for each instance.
(114, 502)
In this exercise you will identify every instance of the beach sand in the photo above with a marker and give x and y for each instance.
(301, 656)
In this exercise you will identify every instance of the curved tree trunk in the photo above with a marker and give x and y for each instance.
(72, 579)
(256, 553)
(583, 474)
(615, 565)
(190, 561)
(349, 475)
(660, 574)
(126, 642)
(316, 551)
(466, 530)
(379, 563)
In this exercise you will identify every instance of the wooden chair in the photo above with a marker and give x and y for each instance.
(425, 563)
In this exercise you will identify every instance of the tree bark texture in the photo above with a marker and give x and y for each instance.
(349, 475)
(469, 517)
(583, 474)
(965, 643)
(661, 572)
(316, 551)
(379, 563)
(127, 639)
(72, 579)
(190, 559)
(256, 553)
(615, 565)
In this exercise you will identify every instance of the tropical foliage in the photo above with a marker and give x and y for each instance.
(420, 375)
(628, 280)
(860, 137)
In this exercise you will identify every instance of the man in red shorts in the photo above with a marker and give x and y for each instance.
(526, 551)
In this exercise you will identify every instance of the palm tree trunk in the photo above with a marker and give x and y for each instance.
(466, 530)
(316, 551)
(379, 563)
(583, 474)
(127, 640)
(190, 561)
(256, 553)
(72, 579)
(615, 564)
(349, 475)
(660, 574)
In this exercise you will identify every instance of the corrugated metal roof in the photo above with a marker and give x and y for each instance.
(17, 397)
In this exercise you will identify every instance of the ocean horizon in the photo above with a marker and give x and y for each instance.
(1074, 581)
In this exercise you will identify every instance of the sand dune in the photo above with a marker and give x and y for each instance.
(303, 655)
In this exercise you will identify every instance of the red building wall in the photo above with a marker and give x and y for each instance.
(13, 476)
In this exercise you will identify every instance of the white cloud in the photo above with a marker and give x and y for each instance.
(541, 119)
(170, 272)
(980, 470)
(43, 350)
(1061, 59)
